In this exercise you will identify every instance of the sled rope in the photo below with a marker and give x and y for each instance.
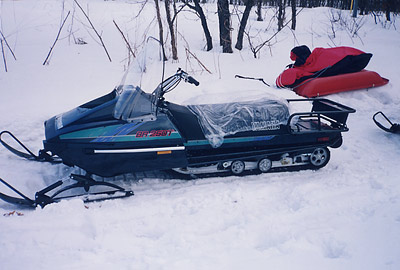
(314, 76)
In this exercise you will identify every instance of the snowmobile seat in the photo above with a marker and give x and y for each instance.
(185, 121)
(220, 120)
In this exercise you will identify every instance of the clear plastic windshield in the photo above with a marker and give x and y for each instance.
(134, 105)
(148, 58)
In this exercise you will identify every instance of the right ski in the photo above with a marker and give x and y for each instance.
(394, 127)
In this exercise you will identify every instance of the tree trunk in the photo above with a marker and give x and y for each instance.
(171, 30)
(259, 11)
(243, 22)
(224, 18)
(388, 7)
(203, 20)
(355, 8)
(281, 13)
(293, 3)
(160, 29)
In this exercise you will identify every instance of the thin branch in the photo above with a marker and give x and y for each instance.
(178, 11)
(126, 41)
(4, 56)
(8, 46)
(200, 63)
(140, 10)
(259, 47)
(94, 29)
(55, 41)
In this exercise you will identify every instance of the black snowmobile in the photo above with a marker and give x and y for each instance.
(129, 130)
(387, 126)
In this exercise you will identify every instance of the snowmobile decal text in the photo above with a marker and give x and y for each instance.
(154, 133)
(266, 125)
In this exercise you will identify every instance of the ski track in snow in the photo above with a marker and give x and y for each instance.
(343, 216)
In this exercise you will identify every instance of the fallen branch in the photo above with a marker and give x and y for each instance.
(126, 41)
(94, 29)
(55, 41)
(8, 46)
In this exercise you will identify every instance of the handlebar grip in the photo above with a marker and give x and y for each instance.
(193, 80)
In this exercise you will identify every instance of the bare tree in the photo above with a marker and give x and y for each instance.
(8, 46)
(124, 38)
(293, 4)
(256, 49)
(94, 29)
(258, 11)
(171, 29)
(224, 18)
(4, 56)
(388, 5)
(160, 28)
(281, 13)
(249, 4)
(203, 20)
(46, 61)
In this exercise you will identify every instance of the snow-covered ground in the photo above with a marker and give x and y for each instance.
(343, 216)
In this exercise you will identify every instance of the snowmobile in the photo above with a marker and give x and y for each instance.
(129, 130)
(393, 128)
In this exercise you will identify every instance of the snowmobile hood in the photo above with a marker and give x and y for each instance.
(97, 110)
(124, 104)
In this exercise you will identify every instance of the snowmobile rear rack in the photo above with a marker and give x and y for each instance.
(326, 115)
(394, 127)
(42, 198)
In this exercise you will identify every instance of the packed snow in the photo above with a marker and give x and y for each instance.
(343, 216)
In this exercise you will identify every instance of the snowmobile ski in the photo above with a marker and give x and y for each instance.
(43, 156)
(394, 127)
(42, 198)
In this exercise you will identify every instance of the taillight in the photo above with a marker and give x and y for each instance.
(323, 139)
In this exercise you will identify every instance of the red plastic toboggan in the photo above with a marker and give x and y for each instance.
(317, 87)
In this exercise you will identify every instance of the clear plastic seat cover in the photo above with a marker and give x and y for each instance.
(220, 120)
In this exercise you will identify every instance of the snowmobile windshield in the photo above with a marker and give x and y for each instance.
(220, 120)
(149, 57)
(134, 105)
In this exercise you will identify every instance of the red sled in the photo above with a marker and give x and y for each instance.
(316, 87)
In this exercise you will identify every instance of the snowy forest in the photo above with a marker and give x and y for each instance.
(56, 55)
(357, 6)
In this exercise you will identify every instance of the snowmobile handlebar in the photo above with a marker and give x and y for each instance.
(170, 83)
(186, 77)
(192, 80)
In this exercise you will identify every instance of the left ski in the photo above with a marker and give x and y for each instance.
(43, 156)
(42, 198)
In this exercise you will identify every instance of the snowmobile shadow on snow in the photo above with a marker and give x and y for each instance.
(130, 131)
